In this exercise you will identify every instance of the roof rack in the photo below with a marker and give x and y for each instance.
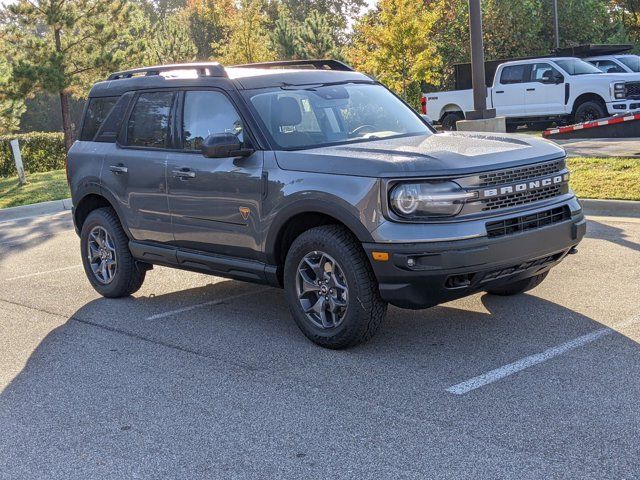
(311, 64)
(205, 69)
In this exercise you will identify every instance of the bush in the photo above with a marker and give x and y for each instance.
(41, 152)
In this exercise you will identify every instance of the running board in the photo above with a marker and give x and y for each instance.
(213, 264)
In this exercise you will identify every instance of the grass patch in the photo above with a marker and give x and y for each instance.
(42, 187)
(608, 178)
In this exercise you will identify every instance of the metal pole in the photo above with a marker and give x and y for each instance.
(556, 26)
(477, 64)
(17, 157)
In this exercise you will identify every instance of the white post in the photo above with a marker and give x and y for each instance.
(15, 148)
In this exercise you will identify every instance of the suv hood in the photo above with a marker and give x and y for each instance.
(442, 154)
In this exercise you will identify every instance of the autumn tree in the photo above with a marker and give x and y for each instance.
(63, 46)
(393, 44)
(248, 40)
(208, 24)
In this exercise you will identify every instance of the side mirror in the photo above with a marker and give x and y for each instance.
(558, 78)
(223, 145)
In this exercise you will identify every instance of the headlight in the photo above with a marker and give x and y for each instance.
(441, 199)
(618, 90)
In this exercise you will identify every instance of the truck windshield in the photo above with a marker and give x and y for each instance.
(319, 115)
(631, 61)
(573, 66)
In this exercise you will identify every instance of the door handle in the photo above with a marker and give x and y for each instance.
(500, 91)
(531, 89)
(184, 174)
(118, 169)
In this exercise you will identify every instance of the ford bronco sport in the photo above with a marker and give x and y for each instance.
(310, 176)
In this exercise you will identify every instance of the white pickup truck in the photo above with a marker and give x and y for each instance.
(541, 91)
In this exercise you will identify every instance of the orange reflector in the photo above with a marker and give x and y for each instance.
(380, 256)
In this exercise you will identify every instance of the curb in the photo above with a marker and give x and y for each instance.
(35, 210)
(611, 208)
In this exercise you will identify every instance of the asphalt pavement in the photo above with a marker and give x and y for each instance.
(201, 377)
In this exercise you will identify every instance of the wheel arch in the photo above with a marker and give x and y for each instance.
(90, 201)
(450, 108)
(588, 97)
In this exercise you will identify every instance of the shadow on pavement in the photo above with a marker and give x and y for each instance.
(602, 231)
(235, 390)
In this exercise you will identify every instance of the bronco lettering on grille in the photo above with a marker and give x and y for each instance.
(524, 186)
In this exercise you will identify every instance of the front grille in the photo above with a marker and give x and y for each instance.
(521, 198)
(633, 89)
(527, 222)
(505, 272)
(517, 174)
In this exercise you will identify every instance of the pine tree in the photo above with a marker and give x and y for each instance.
(62, 46)
(11, 107)
(171, 42)
(248, 41)
(284, 38)
(315, 39)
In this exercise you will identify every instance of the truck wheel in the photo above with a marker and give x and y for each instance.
(518, 287)
(108, 263)
(331, 290)
(589, 111)
(449, 121)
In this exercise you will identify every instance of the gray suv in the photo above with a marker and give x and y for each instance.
(310, 176)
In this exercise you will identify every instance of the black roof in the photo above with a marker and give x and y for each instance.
(212, 74)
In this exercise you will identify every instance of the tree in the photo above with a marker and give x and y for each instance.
(170, 42)
(62, 46)
(11, 107)
(314, 37)
(284, 37)
(248, 41)
(336, 12)
(393, 43)
(208, 24)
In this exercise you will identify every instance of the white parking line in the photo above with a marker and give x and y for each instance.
(510, 369)
(200, 305)
(42, 273)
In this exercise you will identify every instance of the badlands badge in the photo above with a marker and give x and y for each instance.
(244, 211)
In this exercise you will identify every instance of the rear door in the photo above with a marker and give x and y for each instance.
(134, 170)
(509, 89)
(214, 202)
(544, 96)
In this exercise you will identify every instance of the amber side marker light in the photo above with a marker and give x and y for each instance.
(380, 256)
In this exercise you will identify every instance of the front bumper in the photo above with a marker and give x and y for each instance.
(421, 275)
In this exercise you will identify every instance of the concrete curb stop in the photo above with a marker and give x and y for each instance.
(35, 210)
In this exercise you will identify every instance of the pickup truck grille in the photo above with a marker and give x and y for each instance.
(633, 89)
(517, 174)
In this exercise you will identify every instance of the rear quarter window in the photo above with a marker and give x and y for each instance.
(97, 111)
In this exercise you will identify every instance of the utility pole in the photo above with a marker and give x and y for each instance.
(556, 27)
(477, 65)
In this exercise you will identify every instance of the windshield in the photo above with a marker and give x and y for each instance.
(631, 61)
(318, 115)
(573, 66)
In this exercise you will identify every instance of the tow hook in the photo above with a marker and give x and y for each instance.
(573, 251)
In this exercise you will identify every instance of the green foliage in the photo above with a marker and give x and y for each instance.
(284, 37)
(41, 152)
(208, 22)
(11, 108)
(170, 42)
(249, 38)
(315, 39)
(393, 44)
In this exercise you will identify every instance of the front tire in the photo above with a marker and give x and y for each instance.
(518, 287)
(331, 290)
(589, 111)
(107, 260)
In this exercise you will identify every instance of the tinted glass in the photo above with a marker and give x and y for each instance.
(573, 66)
(608, 66)
(207, 113)
(543, 72)
(513, 74)
(330, 114)
(631, 61)
(97, 112)
(149, 121)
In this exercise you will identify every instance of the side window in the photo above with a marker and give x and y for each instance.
(207, 113)
(97, 112)
(513, 74)
(543, 73)
(148, 124)
(609, 66)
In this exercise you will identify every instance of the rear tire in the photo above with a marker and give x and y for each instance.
(518, 287)
(107, 260)
(449, 121)
(331, 290)
(589, 111)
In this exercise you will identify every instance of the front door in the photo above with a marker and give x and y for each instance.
(214, 202)
(544, 94)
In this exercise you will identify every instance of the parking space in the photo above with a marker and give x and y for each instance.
(202, 377)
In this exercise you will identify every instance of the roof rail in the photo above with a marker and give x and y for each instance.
(205, 69)
(326, 64)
